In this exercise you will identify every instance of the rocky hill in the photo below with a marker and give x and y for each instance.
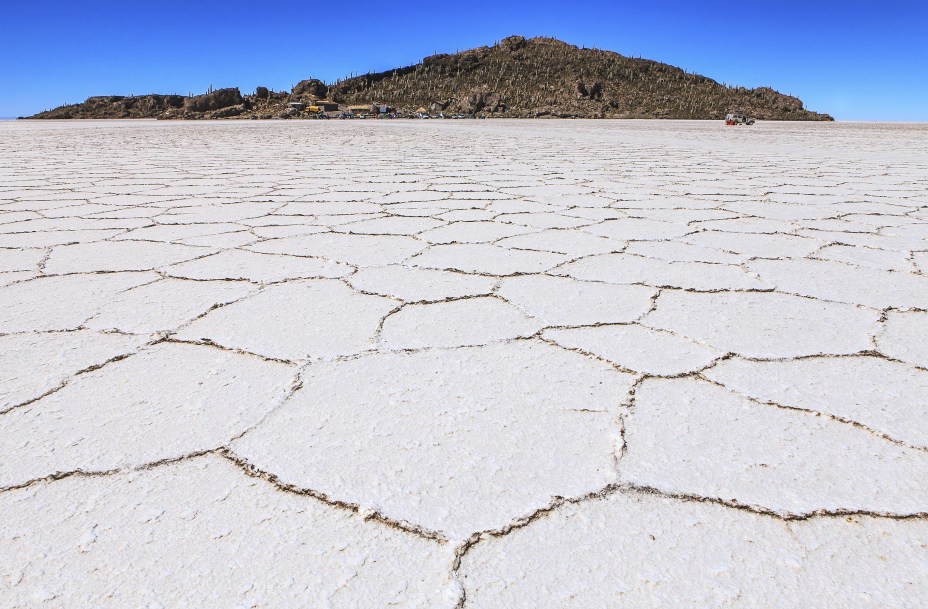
(518, 78)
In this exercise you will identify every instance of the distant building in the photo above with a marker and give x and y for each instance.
(326, 105)
(362, 109)
(296, 106)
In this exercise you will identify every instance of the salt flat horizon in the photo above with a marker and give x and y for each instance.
(549, 119)
(480, 364)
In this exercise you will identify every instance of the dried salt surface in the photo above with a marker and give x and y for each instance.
(164, 305)
(456, 441)
(41, 239)
(20, 260)
(638, 550)
(109, 418)
(921, 261)
(264, 268)
(639, 229)
(391, 226)
(473, 232)
(15, 277)
(675, 251)
(545, 220)
(456, 323)
(637, 348)
(780, 245)
(843, 387)
(694, 438)
(61, 303)
(415, 284)
(845, 283)
(177, 232)
(760, 324)
(294, 321)
(361, 250)
(885, 260)
(200, 533)
(119, 256)
(570, 242)
(559, 301)
(905, 337)
(389, 464)
(486, 259)
(625, 268)
(31, 365)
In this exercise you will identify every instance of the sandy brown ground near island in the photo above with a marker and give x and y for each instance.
(463, 364)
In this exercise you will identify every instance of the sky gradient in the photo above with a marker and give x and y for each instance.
(855, 60)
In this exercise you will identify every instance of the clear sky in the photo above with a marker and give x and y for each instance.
(857, 60)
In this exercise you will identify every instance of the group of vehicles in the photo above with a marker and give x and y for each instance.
(443, 115)
(362, 112)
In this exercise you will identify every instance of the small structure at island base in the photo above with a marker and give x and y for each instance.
(298, 106)
(736, 118)
(326, 105)
(361, 111)
(438, 107)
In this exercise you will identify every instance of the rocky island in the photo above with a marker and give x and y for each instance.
(515, 78)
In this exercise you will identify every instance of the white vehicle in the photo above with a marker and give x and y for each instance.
(738, 119)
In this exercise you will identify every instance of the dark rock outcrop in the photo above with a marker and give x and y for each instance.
(311, 88)
(118, 106)
(218, 99)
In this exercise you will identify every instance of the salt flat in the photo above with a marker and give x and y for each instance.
(482, 364)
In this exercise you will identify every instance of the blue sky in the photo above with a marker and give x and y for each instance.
(855, 60)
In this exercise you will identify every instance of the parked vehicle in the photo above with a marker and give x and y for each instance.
(737, 119)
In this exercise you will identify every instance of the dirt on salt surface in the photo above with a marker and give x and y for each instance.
(452, 364)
